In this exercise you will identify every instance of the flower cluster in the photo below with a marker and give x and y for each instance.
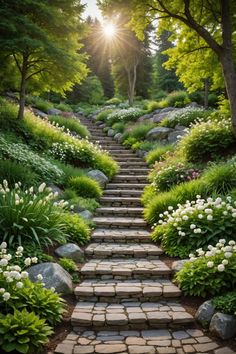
(196, 223)
(123, 115)
(166, 176)
(12, 277)
(187, 116)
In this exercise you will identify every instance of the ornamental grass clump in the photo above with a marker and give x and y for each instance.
(30, 216)
(196, 224)
(28, 310)
(209, 272)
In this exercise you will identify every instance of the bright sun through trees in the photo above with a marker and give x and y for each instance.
(109, 30)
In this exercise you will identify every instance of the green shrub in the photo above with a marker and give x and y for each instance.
(159, 95)
(158, 153)
(177, 99)
(119, 127)
(152, 106)
(77, 229)
(106, 164)
(114, 101)
(185, 117)
(226, 303)
(72, 124)
(84, 203)
(221, 178)
(85, 187)
(68, 264)
(140, 131)
(29, 216)
(64, 107)
(13, 172)
(22, 154)
(39, 103)
(124, 115)
(128, 142)
(102, 116)
(212, 99)
(207, 140)
(23, 332)
(208, 273)
(195, 224)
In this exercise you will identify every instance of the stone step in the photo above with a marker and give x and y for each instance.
(122, 151)
(130, 159)
(114, 291)
(133, 171)
(130, 315)
(119, 211)
(149, 341)
(125, 269)
(123, 192)
(118, 235)
(132, 163)
(128, 186)
(112, 146)
(130, 178)
(102, 139)
(120, 250)
(121, 201)
(119, 222)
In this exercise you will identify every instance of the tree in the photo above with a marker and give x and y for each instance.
(213, 22)
(90, 90)
(41, 38)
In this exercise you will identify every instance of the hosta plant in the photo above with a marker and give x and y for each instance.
(196, 224)
(210, 272)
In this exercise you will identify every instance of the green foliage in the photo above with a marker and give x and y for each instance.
(226, 303)
(185, 117)
(124, 115)
(68, 264)
(29, 216)
(152, 106)
(77, 229)
(221, 178)
(39, 103)
(23, 332)
(13, 172)
(102, 116)
(114, 101)
(106, 164)
(119, 127)
(207, 140)
(140, 131)
(129, 141)
(210, 273)
(84, 203)
(195, 224)
(90, 90)
(85, 187)
(72, 124)
(64, 107)
(159, 153)
(177, 99)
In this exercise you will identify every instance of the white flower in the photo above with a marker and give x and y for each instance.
(3, 245)
(19, 285)
(231, 243)
(24, 275)
(40, 277)
(221, 267)
(52, 289)
(225, 262)
(210, 264)
(20, 249)
(185, 217)
(6, 296)
(192, 226)
(27, 261)
(34, 260)
(2, 290)
(228, 254)
(222, 241)
(42, 187)
(200, 216)
(3, 262)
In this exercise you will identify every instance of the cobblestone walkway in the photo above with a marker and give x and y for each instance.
(126, 300)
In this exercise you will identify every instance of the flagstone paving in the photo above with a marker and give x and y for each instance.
(126, 300)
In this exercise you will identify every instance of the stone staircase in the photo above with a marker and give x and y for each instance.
(126, 300)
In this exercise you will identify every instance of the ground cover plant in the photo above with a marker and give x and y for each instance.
(211, 272)
(70, 124)
(226, 303)
(185, 117)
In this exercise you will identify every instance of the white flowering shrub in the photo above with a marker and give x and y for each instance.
(185, 117)
(209, 272)
(124, 115)
(22, 154)
(30, 216)
(196, 224)
(206, 141)
(28, 327)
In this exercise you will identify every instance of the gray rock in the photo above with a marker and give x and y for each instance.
(118, 137)
(70, 250)
(53, 276)
(169, 109)
(77, 209)
(98, 176)
(145, 117)
(159, 117)
(178, 265)
(39, 113)
(174, 136)
(86, 214)
(180, 127)
(55, 189)
(204, 313)
(194, 105)
(223, 326)
(158, 133)
(102, 125)
(54, 112)
(111, 132)
(140, 153)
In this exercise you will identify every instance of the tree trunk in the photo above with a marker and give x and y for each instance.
(230, 83)
(132, 77)
(206, 92)
(22, 89)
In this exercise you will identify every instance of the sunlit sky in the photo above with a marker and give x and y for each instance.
(91, 9)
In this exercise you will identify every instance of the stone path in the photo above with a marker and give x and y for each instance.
(126, 300)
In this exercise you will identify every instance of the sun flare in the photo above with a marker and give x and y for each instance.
(109, 30)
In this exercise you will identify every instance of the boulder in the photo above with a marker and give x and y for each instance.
(223, 326)
(158, 133)
(118, 137)
(145, 117)
(103, 125)
(180, 127)
(98, 176)
(39, 113)
(204, 313)
(110, 132)
(174, 136)
(55, 189)
(86, 214)
(54, 112)
(169, 109)
(159, 117)
(140, 153)
(178, 265)
(53, 276)
(70, 250)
